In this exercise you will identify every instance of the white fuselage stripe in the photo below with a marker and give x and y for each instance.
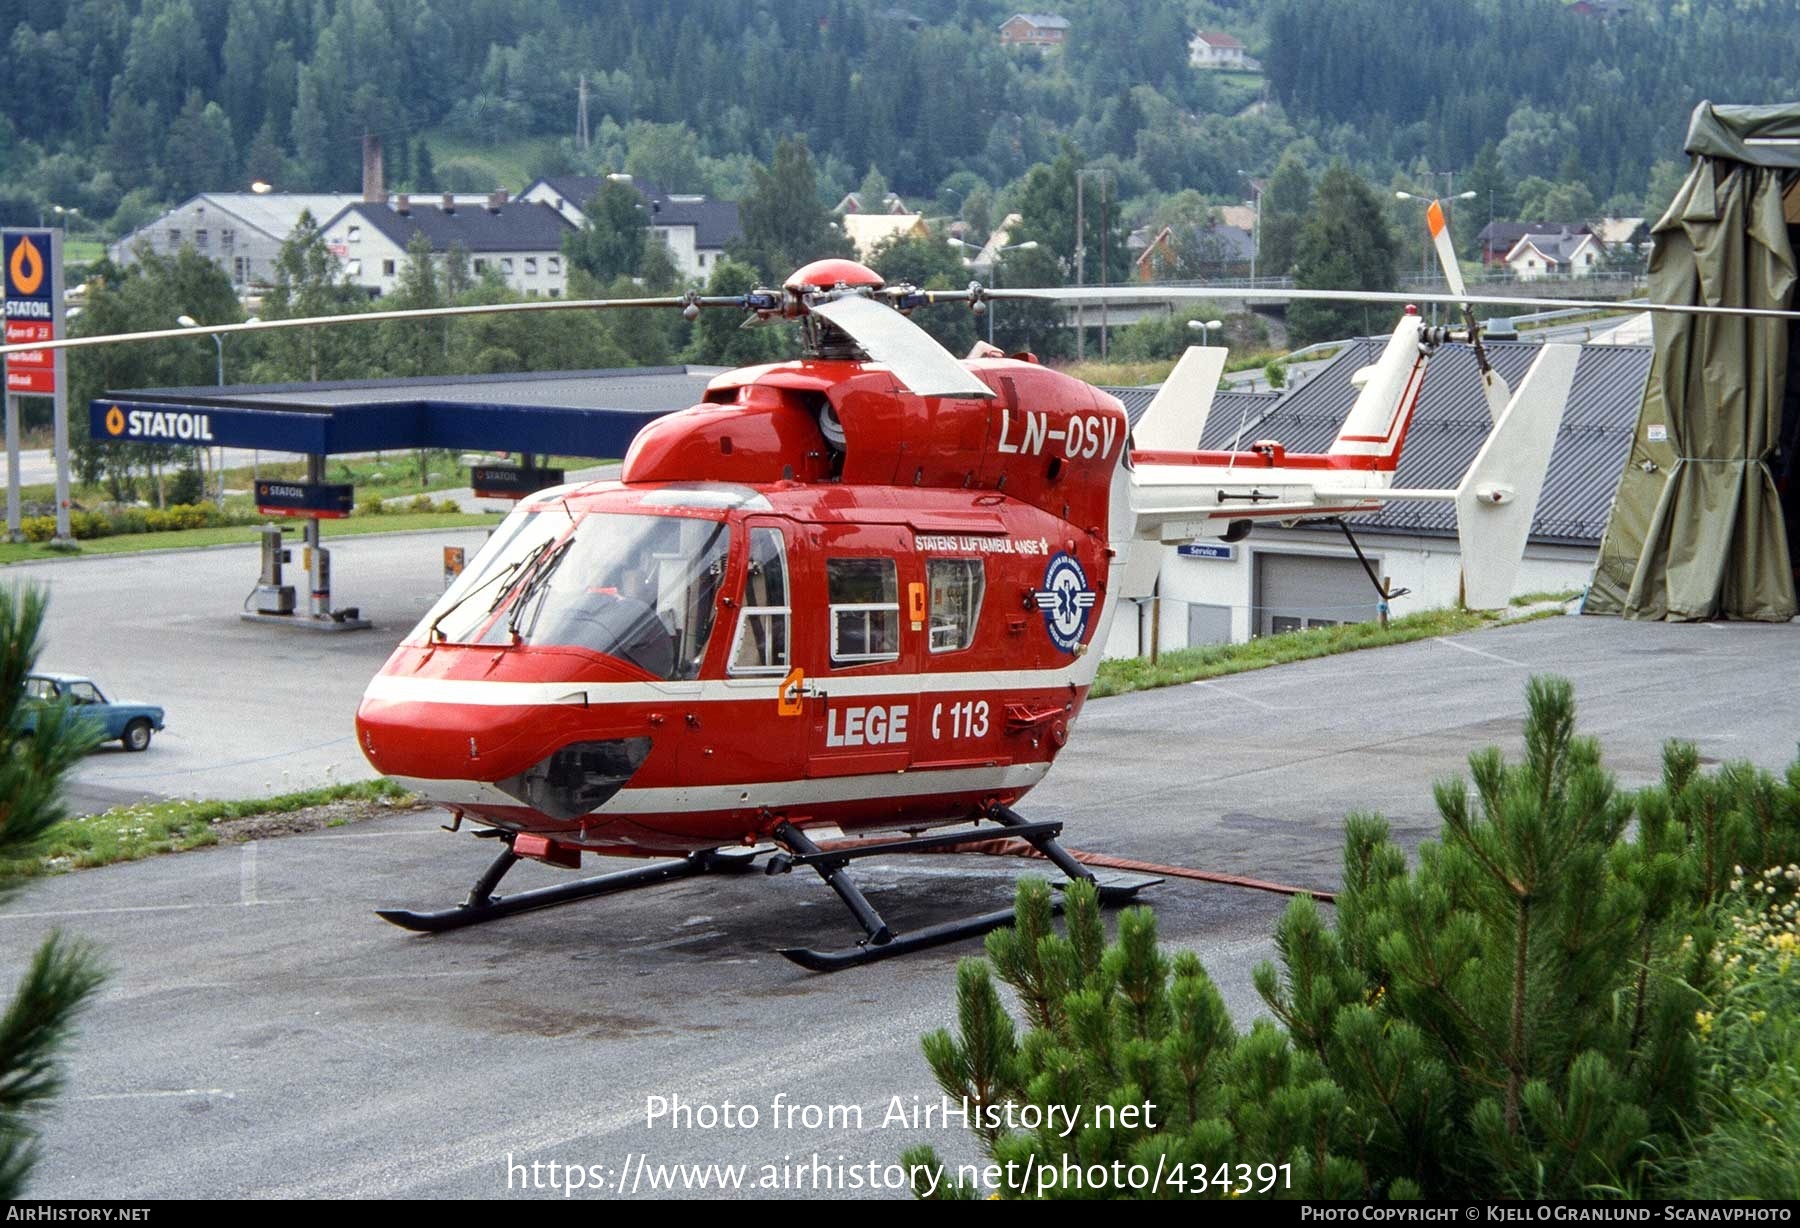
(397, 688)
(754, 795)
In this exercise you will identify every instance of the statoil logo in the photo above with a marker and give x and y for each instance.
(1066, 601)
(25, 270)
(174, 427)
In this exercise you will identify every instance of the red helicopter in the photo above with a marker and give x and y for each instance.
(856, 592)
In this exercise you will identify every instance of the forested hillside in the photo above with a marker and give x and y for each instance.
(116, 106)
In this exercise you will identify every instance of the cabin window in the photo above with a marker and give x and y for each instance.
(956, 586)
(865, 610)
(762, 634)
(40, 688)
(83, 693)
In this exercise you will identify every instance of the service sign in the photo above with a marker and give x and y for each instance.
(511, 481)
(1207, 550)
(325, 501)
(25, 257)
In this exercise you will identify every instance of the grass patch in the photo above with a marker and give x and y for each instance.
(1217, 660)
(127, 833)
(1565, 595)
(1137, 374)
(225, 535)
(509, 162)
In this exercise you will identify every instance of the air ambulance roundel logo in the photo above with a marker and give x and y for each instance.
(115, 421)
(1066, 601)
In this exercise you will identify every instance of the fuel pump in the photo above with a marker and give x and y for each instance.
(272, 596)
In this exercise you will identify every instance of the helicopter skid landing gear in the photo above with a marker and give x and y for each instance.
(483, 905)
(882, 943)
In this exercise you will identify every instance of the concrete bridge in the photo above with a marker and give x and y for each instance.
(1120, 314)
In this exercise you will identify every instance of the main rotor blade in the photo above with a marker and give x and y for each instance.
(917, 361)
(416, 313)
(1139, 294)
(1439, 227)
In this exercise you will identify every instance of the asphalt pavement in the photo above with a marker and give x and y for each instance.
(263, 1034)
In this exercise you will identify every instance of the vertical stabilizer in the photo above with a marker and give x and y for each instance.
(1377, 423)
(1177, 416)
(1499, 495)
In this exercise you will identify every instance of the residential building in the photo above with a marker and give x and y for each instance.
(693, 228)
(1214, 49)
(519, 240)
(870, 230)
(1497, 239)
(1280, 580)
(1554, 255)
(1215, 250)
(1034, 30)
(1622, 233)
(854, 203)
(241, 232)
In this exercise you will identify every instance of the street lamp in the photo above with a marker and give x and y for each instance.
(994, 268)
(1425, 257)
(219, 344)
(1256, 235)
(1205, 327)
(262, 187)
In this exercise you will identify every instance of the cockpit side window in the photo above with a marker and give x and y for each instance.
(762, 633)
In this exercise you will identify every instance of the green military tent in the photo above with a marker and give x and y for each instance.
(1699, 529)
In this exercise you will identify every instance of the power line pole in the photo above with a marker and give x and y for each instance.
(582, 139)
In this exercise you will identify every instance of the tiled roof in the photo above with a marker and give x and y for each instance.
(513, 227)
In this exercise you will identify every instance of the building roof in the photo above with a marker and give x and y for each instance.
(273, 213)
(1507, 234)
(1450, 425)
(1044, 21)
(517, 226)
(1613, 231)
(715, 222)
(1217, 38)
(1241, 216)
(867, 230)
(570, 413)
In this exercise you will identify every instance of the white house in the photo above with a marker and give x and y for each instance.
(1214, 49)
(1278, 580)
(1554, 255)
(693, 228)
(520, 240)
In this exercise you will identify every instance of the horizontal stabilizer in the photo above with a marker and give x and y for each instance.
(1177, 416)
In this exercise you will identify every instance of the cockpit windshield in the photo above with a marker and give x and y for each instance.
(639, 588)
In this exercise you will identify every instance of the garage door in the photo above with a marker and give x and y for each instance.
(1295, 591)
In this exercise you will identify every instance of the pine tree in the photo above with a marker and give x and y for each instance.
(785, 224)
(1286, 203)
(64, 973)
(1345, 245)
(610, 243)
(1512, 1015)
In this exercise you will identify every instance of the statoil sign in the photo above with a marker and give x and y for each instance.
(27, 271)
(157, 426)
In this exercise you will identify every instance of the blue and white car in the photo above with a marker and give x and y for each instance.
(130, 723)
